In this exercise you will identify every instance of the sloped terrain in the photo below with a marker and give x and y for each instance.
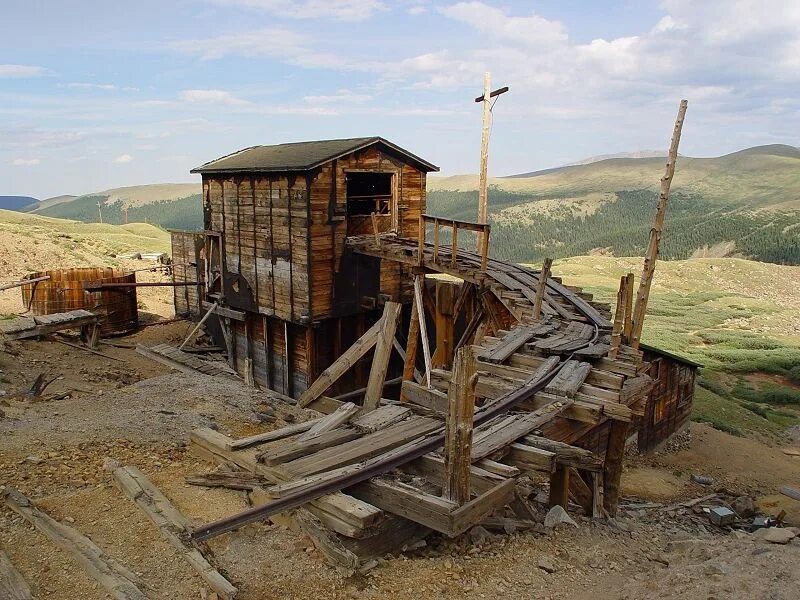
(742, 204)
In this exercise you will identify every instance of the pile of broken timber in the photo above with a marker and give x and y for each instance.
(21, 328)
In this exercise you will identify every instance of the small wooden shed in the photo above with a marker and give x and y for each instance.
(274, 255)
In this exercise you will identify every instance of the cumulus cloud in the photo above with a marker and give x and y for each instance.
(211, 97)
(344, 10)
(25, 162)
(340, 97)
(123, 159)
(21, 71)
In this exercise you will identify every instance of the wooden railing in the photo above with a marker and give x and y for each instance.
(438, 222)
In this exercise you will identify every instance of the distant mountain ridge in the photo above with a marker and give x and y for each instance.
(16, 202)
(745, 203)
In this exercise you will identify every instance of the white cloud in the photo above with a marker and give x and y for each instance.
(211, 97)
(532, 30)
(340, 97)
(25, 162)
(21, 71)
(343, 10)
(417, 10)
(93, 86)
(123, 159)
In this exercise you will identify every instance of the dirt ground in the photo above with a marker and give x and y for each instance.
(140, 414)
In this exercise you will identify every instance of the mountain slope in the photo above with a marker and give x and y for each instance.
(741, 204)
(16, 202)
(171, 205)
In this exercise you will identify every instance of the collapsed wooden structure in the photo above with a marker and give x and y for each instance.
(314, 263)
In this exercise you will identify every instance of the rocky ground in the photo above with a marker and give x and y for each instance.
(138, 413)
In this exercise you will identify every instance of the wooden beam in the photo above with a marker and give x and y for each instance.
(559, 487)
(330, 422)
(458, 432)
(423, 329)
(483, 188)
(269, 436)
(612, 473)
(173, 525)
(627, 324)
(12, 585)
(544, 274)
(118, 581)
(383, 352)
(410, 360)
(341, 365)
(651, 256)
(619, 318)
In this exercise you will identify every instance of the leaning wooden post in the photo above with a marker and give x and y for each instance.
(380, 359)
(544, 274)
(411, 347)
(458, 435)
(655, 233)
(619, 318)
(423, 328)
(375, 229)
(627, 323)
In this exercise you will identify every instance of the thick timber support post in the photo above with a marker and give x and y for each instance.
(627, 324)
(411, 347)
(380, 359)
(620, 317)
(544, 274)
(483, 193)
(612, 471)
(559, 487)
(655, 233)
(458, 436)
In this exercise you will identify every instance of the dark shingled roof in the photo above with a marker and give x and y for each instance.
(301, 156)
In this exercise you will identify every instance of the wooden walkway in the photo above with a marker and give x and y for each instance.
(21, 328)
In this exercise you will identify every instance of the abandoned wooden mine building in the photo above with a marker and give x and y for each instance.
(315, 254)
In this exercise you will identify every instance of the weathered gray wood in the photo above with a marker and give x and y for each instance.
(329, 422)
(569, 379)
(275, 434)
(299, 448)
(458, 431)
(380, 358)
(508, 345)
(380, 418)
(341, 365)
(120, 582)
(173, 525)
(428, 397)
(12, 585)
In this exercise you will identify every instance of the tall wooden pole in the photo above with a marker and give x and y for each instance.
(650, 258)
(99, 211)
(483, 191)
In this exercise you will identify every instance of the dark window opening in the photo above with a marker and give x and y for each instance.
(369, 193)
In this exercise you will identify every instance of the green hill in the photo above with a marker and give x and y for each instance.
(170, 205)
(742, 204)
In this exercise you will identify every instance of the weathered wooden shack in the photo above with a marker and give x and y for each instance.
(291, 296)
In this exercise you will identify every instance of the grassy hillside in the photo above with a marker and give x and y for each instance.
(33, 242)
(740, 319)
(170, 205)
(743, 204)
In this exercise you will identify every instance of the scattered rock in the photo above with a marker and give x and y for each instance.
(479, 535)
(34, 460)
(774, 535)
(556, 516)
(110, 464)
(702, 479)
(744, 507)
(546, 564)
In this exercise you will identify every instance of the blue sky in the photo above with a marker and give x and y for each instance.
(99, 94)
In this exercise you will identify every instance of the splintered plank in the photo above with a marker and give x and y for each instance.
(569, 379)
(330, 422)
(299, 448)
(380, 418)
(362, 448)
(269, 436)
(173, 525)
(12, 585)
(510, 431)
(338, 511)
(121, 583)
(380, 359)
(509, 344)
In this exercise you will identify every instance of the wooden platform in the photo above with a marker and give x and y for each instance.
(555, 430)
(29, 327)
